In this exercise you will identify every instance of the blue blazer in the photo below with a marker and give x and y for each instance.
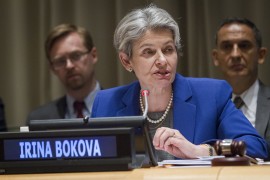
(202, 111)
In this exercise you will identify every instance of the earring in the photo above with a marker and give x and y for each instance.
(130, 69)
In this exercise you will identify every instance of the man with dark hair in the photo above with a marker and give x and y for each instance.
(72, 56)
(238, 54)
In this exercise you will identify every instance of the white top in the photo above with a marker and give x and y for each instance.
(250, 97)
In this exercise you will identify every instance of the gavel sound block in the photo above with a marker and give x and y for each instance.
(234, 152)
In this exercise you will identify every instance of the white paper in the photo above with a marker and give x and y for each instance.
(201, 161)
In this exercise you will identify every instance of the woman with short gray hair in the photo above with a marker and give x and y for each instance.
(186, 115)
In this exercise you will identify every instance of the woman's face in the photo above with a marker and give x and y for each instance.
(154, 59)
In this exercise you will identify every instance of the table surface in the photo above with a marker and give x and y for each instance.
(159, 173)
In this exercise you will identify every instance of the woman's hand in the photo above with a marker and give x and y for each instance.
(172, 141)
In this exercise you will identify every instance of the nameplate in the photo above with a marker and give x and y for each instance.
(67, 150)
(58, 148)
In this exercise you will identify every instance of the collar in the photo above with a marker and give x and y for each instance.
(88, 100)
(250, 96)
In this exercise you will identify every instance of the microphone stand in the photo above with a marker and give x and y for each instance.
(150, 147)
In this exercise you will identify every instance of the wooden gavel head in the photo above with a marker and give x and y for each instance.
(230, 148)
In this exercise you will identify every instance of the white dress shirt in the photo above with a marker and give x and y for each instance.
(89, 100)
(250, 97)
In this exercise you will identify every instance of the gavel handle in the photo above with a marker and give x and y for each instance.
(252, 160)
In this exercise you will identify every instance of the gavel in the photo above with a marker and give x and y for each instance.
(230, 148)
(234, 152)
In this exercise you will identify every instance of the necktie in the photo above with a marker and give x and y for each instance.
(78, 107)
(238, 101)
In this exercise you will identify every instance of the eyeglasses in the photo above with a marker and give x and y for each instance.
(74, 57)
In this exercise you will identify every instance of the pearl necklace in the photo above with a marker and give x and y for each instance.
(163, 116)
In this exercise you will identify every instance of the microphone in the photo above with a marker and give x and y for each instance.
(145, 93)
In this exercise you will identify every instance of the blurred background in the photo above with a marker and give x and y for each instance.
(26, 81)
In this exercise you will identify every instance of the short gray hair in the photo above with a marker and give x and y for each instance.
(135, 24)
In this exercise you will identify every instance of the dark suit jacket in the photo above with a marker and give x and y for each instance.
(53, 110)
(262, 122)
(2, 116)
(202, 111)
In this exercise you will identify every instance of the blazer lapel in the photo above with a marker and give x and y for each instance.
(263, 106)
(184, 111)
(130, 100)
(61, 107)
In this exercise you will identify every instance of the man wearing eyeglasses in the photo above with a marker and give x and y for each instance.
(72, 57)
